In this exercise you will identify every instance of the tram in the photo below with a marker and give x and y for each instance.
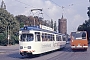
(79, 40)
(39, 39)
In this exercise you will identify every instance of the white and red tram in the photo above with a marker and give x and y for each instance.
(37, 40)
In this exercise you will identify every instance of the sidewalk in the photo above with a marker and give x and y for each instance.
(4, 49)
(9, 47)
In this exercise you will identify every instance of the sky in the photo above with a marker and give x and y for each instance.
(75, 11)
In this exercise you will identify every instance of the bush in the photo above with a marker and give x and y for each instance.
(15, 39)
(3, 40)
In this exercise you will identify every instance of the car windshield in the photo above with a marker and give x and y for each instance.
(26, 37)
(78, 35)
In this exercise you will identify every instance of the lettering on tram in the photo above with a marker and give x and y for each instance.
(39, 39)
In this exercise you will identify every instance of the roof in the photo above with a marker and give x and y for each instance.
(37, 28)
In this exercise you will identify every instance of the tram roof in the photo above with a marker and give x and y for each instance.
(37, 28)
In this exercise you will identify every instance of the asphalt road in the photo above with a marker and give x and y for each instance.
(12, 53)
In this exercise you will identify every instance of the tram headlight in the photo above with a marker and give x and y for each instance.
(29, 47)
(21, 47)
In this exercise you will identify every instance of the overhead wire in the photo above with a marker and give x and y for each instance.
(24, 3)
(55, 3)
(31, 6)
(44, 11)
(61, 6)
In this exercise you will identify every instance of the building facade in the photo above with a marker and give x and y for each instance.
(62, 25)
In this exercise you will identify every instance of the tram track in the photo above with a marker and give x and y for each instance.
(68, 54)
(64, 52)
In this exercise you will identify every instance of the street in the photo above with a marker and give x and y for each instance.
(12, 53)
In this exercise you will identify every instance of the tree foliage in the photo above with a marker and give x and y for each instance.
(51, 23)
(8, 25)
(88, 12)
(86, 25)
(55, 26)
(21, 19)
(29, 20)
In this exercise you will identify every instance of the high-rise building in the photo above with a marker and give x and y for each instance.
(62, 25)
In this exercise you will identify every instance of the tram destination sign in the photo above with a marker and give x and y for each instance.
(25, 31)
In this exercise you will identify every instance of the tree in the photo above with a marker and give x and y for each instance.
(22, 19)
(55, 26)
(51, 23)
(88, 12)
(86, 25)
(8, 24)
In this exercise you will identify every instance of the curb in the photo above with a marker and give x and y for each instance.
(1, 52)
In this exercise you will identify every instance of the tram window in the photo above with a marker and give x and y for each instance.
(23, 37)
(48, 37)
(59, 38)
(53, 38)
(64, 39)
(26, 37)
(37, 34)
(38, 37)
(56, 37)
(29, 37)
(43, 37)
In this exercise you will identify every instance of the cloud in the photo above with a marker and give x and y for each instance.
(77, 20)
(75, 14)
(50, 10)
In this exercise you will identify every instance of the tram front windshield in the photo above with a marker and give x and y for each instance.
(26, 37)
(78, 35)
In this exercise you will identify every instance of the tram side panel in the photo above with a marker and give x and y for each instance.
(39, 45)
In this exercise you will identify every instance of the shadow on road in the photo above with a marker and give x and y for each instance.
(68, 49)
(18, 56)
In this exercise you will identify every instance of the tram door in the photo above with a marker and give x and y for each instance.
(37, 36)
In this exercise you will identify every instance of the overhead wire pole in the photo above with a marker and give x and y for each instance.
(62, 11)
(65, 7)
(8, 36)
(59, 5)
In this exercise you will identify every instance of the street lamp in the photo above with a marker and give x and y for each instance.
(8, 33)
(8, 36)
